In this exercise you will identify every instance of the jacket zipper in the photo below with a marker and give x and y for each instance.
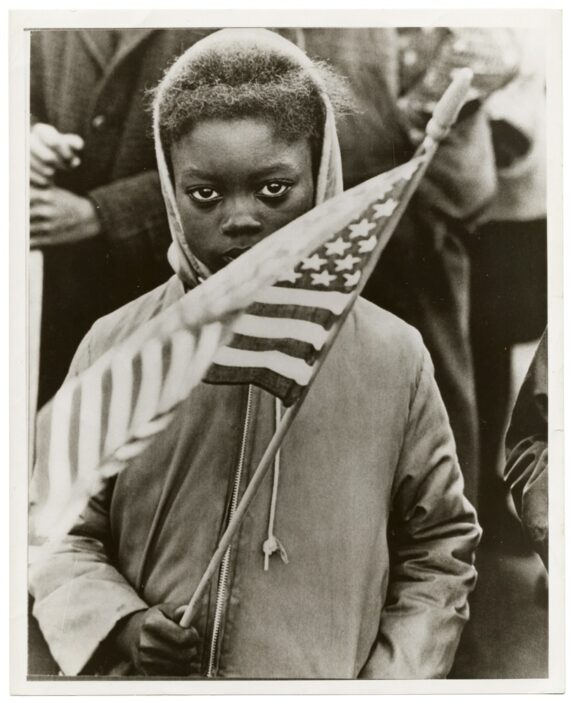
(225, 566)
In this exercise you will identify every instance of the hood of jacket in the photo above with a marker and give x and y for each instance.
(329, 175)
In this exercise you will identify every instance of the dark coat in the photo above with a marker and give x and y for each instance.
(78, 90)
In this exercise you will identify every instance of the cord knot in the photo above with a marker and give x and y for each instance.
(270, 546)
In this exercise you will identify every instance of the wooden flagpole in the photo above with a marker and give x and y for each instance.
(444, 115)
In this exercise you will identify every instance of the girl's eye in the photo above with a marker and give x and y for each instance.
(203, 194)
(275, 189)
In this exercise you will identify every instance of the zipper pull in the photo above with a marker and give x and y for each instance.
(270, 546)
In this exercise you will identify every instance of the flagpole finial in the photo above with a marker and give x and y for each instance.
(448, 107)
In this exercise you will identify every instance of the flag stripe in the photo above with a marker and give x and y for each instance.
(120, 406)
(89, 421)
(151, 428)
(207, 344)
(151, 370)
(321, 317)
(282, 295)
(131, 450)
(73, 442)
(297, 350)
(301, 330)
(107, 389)
(60, 474)
(181, 351)
(263, 378)
(295, 369)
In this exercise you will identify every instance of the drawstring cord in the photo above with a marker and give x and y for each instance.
(272, 544)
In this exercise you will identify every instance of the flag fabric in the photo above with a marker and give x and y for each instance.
(264, 319)
(267, 318)
(104, 417)
(277, 341)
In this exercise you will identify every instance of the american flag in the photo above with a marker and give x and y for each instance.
(277, 341)
(278, 305)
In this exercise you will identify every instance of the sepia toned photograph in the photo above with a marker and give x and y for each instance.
(288, 308)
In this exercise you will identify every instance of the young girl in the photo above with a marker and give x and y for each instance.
(356, 557)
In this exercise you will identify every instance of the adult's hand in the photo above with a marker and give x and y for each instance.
(58, 216)
(155, 643)
(50, 151)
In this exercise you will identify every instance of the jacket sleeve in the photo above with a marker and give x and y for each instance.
(433, 536)
(133, 216)
(452, 186)
(79, 595)
(526, 469)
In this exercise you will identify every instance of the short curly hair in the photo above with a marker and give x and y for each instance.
(250, 82)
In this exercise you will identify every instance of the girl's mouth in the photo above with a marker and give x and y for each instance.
(232, 254)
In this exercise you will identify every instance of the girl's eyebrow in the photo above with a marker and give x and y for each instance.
(264, 171)
(272, 167)
(192, 171)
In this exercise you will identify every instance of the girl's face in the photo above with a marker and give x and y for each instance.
(236, 182)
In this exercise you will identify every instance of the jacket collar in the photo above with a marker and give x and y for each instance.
(130, 40)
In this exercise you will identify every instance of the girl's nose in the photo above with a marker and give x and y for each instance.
(240, 221)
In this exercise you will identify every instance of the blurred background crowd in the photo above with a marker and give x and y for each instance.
(466, 265)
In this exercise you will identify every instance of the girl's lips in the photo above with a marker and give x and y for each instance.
(233, 254)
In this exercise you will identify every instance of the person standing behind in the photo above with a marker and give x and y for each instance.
(508, 255)
(96, 210)
(397, 75)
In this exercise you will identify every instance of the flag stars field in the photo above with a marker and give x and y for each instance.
(351, 279)
(367, 245)
(323, 279)
(289, 277)
(361, 229)
(346, 264)
(385, 188)
(384, 209)
(339, 246)
(313, 263)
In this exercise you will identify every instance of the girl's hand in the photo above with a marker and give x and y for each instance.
(156, 644)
